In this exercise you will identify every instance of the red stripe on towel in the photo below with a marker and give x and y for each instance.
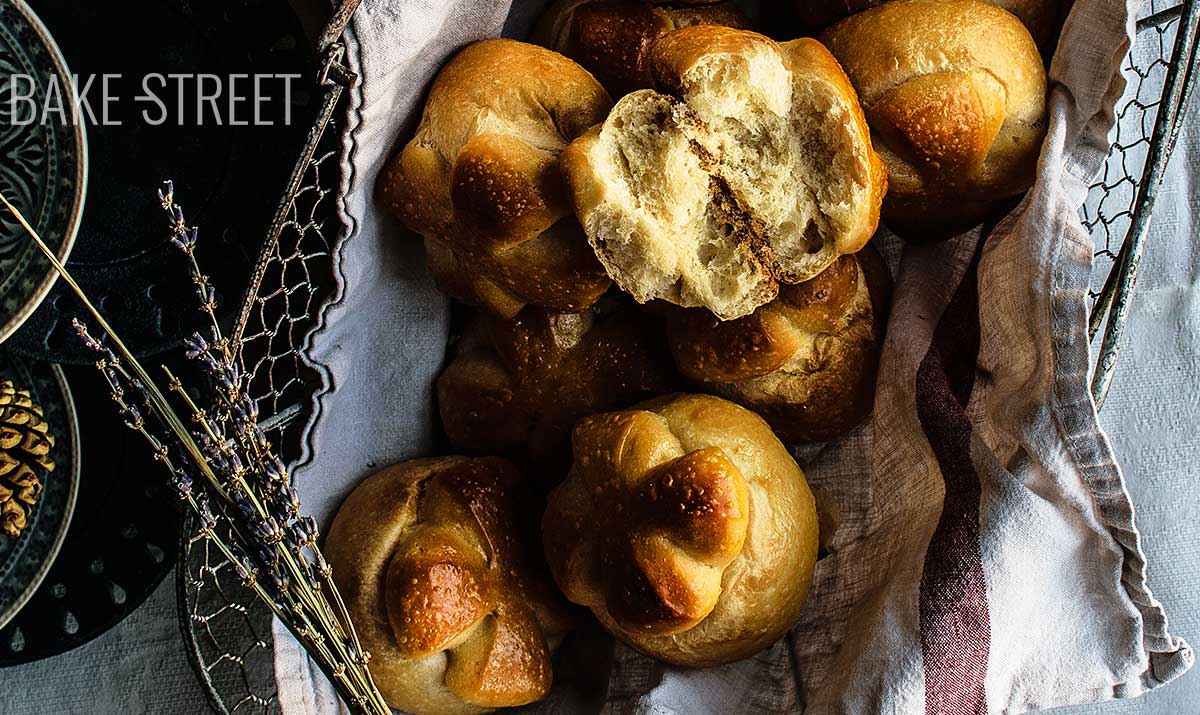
(955, 630)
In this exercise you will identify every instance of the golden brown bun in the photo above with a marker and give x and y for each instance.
(1040, 17)
(686, 527)
(480, 180)
(806, 361)
(516, 388)
(754, 169)
(955, 93)
(444, 583)
(612, 38)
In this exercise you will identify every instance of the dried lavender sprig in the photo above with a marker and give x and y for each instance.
(254, 442)
(185, 237)
(266, 529)
(276, 589)
(225, 372)
(263, 523)
(182, 483)
(246, 431)
(357, 686)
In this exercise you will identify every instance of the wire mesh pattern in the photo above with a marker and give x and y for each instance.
(228, 630)
(296, 278)
(231, 631)
(1108, 211)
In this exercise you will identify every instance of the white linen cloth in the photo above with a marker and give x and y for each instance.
(985, 558)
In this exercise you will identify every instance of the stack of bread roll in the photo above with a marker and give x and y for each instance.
(659, 221)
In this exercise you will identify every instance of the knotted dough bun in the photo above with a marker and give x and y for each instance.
(480, 180)
(806, 361)
(955, 93)
(437, 561)
(686, 527)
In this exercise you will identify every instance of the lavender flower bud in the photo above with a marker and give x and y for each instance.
(277, 582)
(321, 565)
(219, 375)
(206, 294)
(208, 520)
(245, 508)
(133, 418)
(309, 524)
(82, 331)
(217, 460)
(251, 407)
(247, 573)
(314, 578)
(196, 346)
(293, 500)
(297, 537)
(166, 195)
(290, 540)
(274, 470)
(182, 483)
(272, 534)
(236, 467)
(240, 418)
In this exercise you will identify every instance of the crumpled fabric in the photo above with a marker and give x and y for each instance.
(985, 557)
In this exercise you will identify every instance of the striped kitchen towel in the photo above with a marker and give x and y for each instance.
(981, 554)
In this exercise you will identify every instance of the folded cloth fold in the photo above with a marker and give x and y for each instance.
(982, 556)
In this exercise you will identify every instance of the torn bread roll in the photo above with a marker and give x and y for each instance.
(686, 527)
(751, 166)
(806, 361)
(612, 38)
(479, 181)
(439, 565)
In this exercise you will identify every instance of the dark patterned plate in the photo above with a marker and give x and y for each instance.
(25, 560)
(225, 175)
(43, 164)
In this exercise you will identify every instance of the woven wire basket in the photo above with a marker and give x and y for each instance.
(228, 631)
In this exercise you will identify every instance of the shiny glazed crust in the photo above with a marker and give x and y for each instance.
(686, 527)
(480, 181)
(440, 572)
(612, 38)
(517, 387)
(806, 361)
(955, 93)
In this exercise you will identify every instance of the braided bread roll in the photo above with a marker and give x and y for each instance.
(480, 180)
(516, 387)
(1040, 17)
(612, 38)
(687, 528)
(955, 94)
(437, 560)
(806, 361)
